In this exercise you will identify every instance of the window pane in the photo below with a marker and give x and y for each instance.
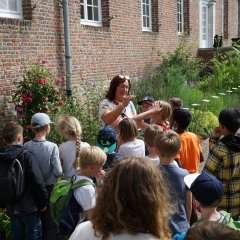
(89, 2)
(96, 18)
(147, 10)
(144, 21)
(89, 10)
(148, 24)
(3, 4)
(147, 1)
(82, 12)
(81, 1)
(95, 2)
(12, 5)
(144, 9)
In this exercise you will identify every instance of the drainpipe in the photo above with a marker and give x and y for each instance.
(67, 48)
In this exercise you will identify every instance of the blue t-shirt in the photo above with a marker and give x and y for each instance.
(177, 189)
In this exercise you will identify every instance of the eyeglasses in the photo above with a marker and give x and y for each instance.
(124, 77)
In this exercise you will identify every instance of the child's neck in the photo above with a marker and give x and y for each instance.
(210, 214)
(84, 173)
(166, 161)
(40, 136)
(152, 152)
(179, 130)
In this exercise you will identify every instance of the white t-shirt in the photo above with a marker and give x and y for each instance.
(134, 148)
(156, 161)
(85, 195)
(84, 231)
(67, 152)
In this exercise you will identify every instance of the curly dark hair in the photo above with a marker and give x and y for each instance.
(114, 84)
(133, 199)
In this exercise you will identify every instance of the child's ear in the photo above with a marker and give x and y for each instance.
(20, 139)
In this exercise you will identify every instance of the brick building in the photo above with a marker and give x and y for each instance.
(107, 37)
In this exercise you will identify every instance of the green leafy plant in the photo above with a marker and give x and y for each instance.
(39, 91)
(5, 227)
(202, 122)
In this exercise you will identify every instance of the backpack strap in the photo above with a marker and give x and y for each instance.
(81, 183)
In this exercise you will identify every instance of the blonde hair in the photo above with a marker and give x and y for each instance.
(166, 110)
(128, 129)
(150, 133)
(129, 202)
(92, 156)
(167, 143)
(71, 126)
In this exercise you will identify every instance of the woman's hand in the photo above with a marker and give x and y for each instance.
(157, 107)
(127, 99)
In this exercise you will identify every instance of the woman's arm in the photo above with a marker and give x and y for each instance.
(109, 116)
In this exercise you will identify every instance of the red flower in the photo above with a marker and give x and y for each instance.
(45, 99)
(43, 61)
(28, 127)
(19, 110)
(42, 81)
(45, 111)
(58, 80)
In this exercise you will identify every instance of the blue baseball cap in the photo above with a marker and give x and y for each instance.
(205, 187)
(147, 99)
(107, 139)
(39, 120)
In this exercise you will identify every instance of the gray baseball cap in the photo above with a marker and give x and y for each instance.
(39, 120)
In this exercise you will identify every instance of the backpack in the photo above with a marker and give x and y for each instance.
(66, 211)
(11, 179)
(230, 222)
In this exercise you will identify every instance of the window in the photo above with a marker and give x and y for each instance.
(180, 16)
(146, 15)
(11, 8)
(91, 12)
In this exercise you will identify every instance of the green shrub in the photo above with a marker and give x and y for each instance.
(202, 122)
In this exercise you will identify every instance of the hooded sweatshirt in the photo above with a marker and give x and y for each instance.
(34, 196)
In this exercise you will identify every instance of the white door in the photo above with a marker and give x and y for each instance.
(204, 26)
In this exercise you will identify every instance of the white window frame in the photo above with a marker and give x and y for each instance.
(86, 21)
(12, 14)
(180, 16)
(143, 6)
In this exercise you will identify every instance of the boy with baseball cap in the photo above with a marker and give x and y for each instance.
(224, 159)
(47, 155)
(207, 193)
(107, 141)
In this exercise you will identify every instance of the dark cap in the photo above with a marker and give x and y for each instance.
(206, 188)
(107, 139)
(147, 99)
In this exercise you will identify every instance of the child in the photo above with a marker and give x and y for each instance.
(224, 159)
(24, 213)
(130, 145)
(190, 154)
(146, 103)
(107, 141)
(168, 145)
(149, 135)
(133, 204)
(69, 151)
(91, 162)
(208, 193)
(175, 103)
(211, 231)
(159, 114)
(47, 155)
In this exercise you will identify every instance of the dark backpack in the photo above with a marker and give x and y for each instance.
(11, 179)
(66, 211)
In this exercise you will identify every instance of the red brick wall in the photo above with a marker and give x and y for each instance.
(120, 46)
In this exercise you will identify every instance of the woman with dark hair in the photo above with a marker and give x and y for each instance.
(133, 204)
(117, 103)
